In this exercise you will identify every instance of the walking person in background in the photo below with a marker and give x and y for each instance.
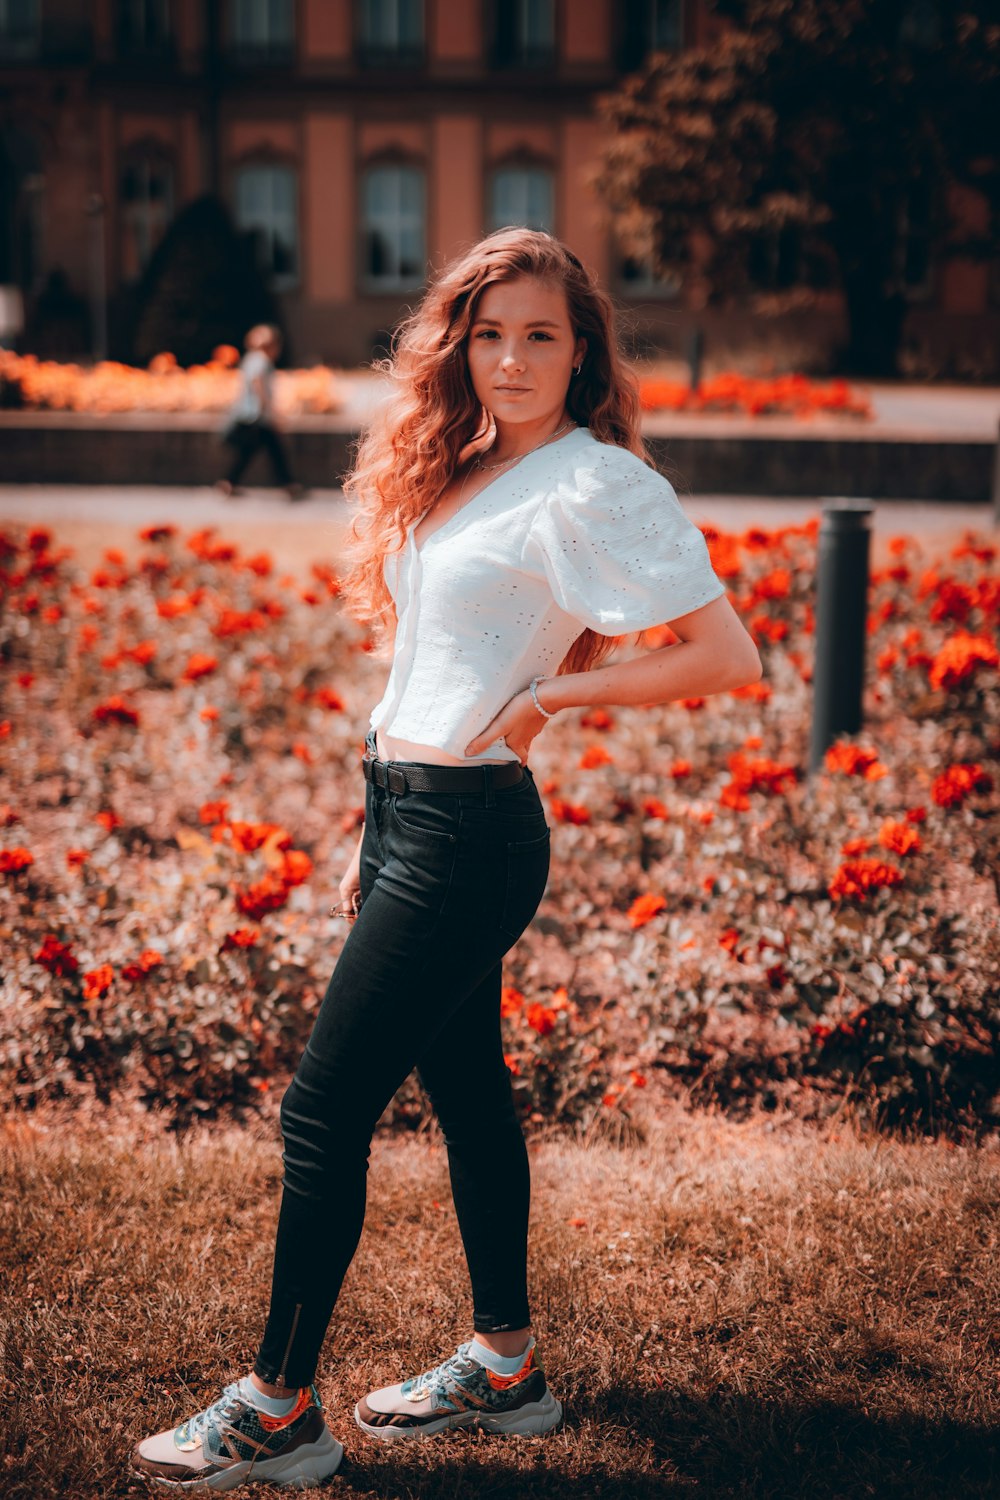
(511, 531)
(251, 417)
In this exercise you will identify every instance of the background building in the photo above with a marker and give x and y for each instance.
(357, 141)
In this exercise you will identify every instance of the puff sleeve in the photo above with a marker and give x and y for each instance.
(617, 549)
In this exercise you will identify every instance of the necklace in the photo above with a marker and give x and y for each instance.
(477, 462)
(505, 463)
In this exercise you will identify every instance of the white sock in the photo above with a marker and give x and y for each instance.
(496, 1362)
(274, 1406)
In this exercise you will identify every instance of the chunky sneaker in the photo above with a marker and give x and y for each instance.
(461, 1392)
(231, 1443)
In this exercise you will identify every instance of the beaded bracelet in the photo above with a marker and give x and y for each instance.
(534, 696)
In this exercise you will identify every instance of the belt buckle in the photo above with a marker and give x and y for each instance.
(391, 771)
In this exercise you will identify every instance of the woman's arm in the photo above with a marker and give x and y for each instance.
(715, 654)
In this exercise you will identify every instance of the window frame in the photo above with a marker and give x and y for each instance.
(373, 54)
(271, 51)
(518, 57)
(146, 161)
(27, 43)
(279, 281)
(542, 169)
(376, 286)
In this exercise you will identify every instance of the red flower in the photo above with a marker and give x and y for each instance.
(856, 878)
(241, 937)
(56, 957)
(327, 698)
(540, 1019)
(12, 861)
(568, 812)
(951, 788)
(266, 894)
(116, 708)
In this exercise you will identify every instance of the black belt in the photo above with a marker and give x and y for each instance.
(401, 776)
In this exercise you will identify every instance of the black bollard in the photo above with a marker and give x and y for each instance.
(841, 624)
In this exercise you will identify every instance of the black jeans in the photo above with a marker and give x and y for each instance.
(245, 438)
(449, 881)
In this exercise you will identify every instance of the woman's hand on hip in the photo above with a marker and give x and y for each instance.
(518, 722)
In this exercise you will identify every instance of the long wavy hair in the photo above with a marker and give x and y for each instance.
(433, 419)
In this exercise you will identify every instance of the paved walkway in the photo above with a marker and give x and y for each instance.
(92, 518)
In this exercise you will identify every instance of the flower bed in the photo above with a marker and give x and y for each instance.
(180, 747)
(46, 385)
(784, 395)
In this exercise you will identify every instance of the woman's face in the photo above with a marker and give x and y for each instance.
(522, 350)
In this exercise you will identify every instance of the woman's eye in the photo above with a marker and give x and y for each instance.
(538, 334)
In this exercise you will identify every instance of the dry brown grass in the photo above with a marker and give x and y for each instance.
(752, 1309)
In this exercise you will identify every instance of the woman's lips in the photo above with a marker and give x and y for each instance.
(513, 390)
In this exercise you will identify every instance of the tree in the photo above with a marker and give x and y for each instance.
(201, 288)
(786, 157)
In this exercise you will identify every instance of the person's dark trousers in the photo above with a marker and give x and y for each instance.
(449, 881)
(245, 438)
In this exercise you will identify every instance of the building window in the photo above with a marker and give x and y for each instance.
(266, 209)
(20, 28)
(522, 196)
(650, 26)
(636, 278)
(525, 34)
(393, 217)
(262, 31)
(392, 32)
(147, 193)
(143, 25)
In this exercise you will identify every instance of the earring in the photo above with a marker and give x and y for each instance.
(578, 368)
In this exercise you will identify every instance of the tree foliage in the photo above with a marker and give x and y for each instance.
(784, 156)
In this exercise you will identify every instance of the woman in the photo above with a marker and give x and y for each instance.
(251, 417)
(510, 531)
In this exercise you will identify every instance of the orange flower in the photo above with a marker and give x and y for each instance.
(213, 812)
(595, 755)
(199, 665)
(177, 604)
(77, 857)
(855, 846)
(960, 658)
(296, 867)
(511, 1000)
(852, 760)
(97, 982)
(899, 838)
(644, 908)
(652, 807)
(856, 878)
(680, 768)
(108, 819)
(13, 861)
(951, 788)
(157, 533)
(209, 713)
(512, 1064)
(303, 753)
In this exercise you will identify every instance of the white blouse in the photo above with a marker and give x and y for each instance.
(579, 533)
